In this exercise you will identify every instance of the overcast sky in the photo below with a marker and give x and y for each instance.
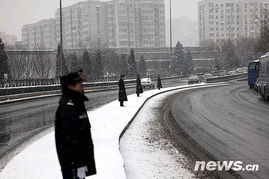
(15, 13)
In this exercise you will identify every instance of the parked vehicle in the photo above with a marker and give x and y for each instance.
(263, 85)
(240, 70)
(147, 82)
(253, 72)
(222, 73)
(193, 79)
(207, 75)
(232, 73)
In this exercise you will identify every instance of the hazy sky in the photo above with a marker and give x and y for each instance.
(15, 13)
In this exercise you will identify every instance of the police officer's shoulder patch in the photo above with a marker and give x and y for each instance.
(70, 103)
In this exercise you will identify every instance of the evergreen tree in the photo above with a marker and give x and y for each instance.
(99, 71)
(262, 45)
(188, 64)
(61, 67)
(123, 65)
(87, 64)
(177, 66)
(4, 65)
(142, 67)
(229, 56)
(132, 70)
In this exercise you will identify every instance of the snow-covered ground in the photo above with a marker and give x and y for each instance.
(147, 151)
(39, 160)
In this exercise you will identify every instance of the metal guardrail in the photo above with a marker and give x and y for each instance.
(43, 87)
(45, 82)
(225, 78)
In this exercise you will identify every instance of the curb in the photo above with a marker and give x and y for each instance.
(133, 118)
(149, 98)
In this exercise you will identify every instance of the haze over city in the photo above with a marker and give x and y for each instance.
(14, 14)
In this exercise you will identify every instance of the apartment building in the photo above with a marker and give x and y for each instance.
(96, 24)
(84, 25)
(8, 39)
(40, 35)
(136, 23)
(230, 19)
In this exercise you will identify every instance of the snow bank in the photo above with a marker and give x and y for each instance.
(39, 160)
(147, 150)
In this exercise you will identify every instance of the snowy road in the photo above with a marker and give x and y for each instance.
(230, 122)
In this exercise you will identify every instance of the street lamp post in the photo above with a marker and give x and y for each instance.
(61, 36)
(171, 41)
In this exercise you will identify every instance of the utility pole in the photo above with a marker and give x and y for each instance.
(171, 41)
(61, 36)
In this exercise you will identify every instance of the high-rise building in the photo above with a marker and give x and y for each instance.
(95, 24)
(136, 23)
(8, 39)
(40, 35)
(84, 25)
(230, 19)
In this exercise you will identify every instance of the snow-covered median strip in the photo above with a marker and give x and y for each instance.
(39, 160)
(147, 150)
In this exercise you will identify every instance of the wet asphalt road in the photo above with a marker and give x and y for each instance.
(230, 122)
(21, 120)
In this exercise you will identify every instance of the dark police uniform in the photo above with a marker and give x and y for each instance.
(73, 132)
(159, 84)
(139, 88)
(122, 92)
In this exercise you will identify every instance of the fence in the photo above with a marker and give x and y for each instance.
(226, 78)
(45, 82)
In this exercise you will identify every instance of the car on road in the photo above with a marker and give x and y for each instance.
(207, 75)
(232, 73)
(240, 70)
(222, 73)
(147, 82)
(193, 79)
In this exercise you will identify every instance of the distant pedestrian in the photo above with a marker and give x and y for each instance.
(73, 130)
(159, 84)
(139, 88)
(122, 91)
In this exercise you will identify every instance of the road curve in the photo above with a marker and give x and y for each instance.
(229, 122)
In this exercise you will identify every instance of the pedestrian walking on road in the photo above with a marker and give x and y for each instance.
(73, 130)
(122, 91)
(159, 84)
(139, 88)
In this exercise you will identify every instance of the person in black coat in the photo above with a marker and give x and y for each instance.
(122, 91)
(73, 130)
(159, 84)
(139, 88)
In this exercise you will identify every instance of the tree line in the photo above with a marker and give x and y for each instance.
(230, 54)
(100, 64)
(97, 64)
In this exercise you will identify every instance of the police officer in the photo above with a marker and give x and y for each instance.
(122, 91)
(73, 130)
(159, 84)
(139, 88)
